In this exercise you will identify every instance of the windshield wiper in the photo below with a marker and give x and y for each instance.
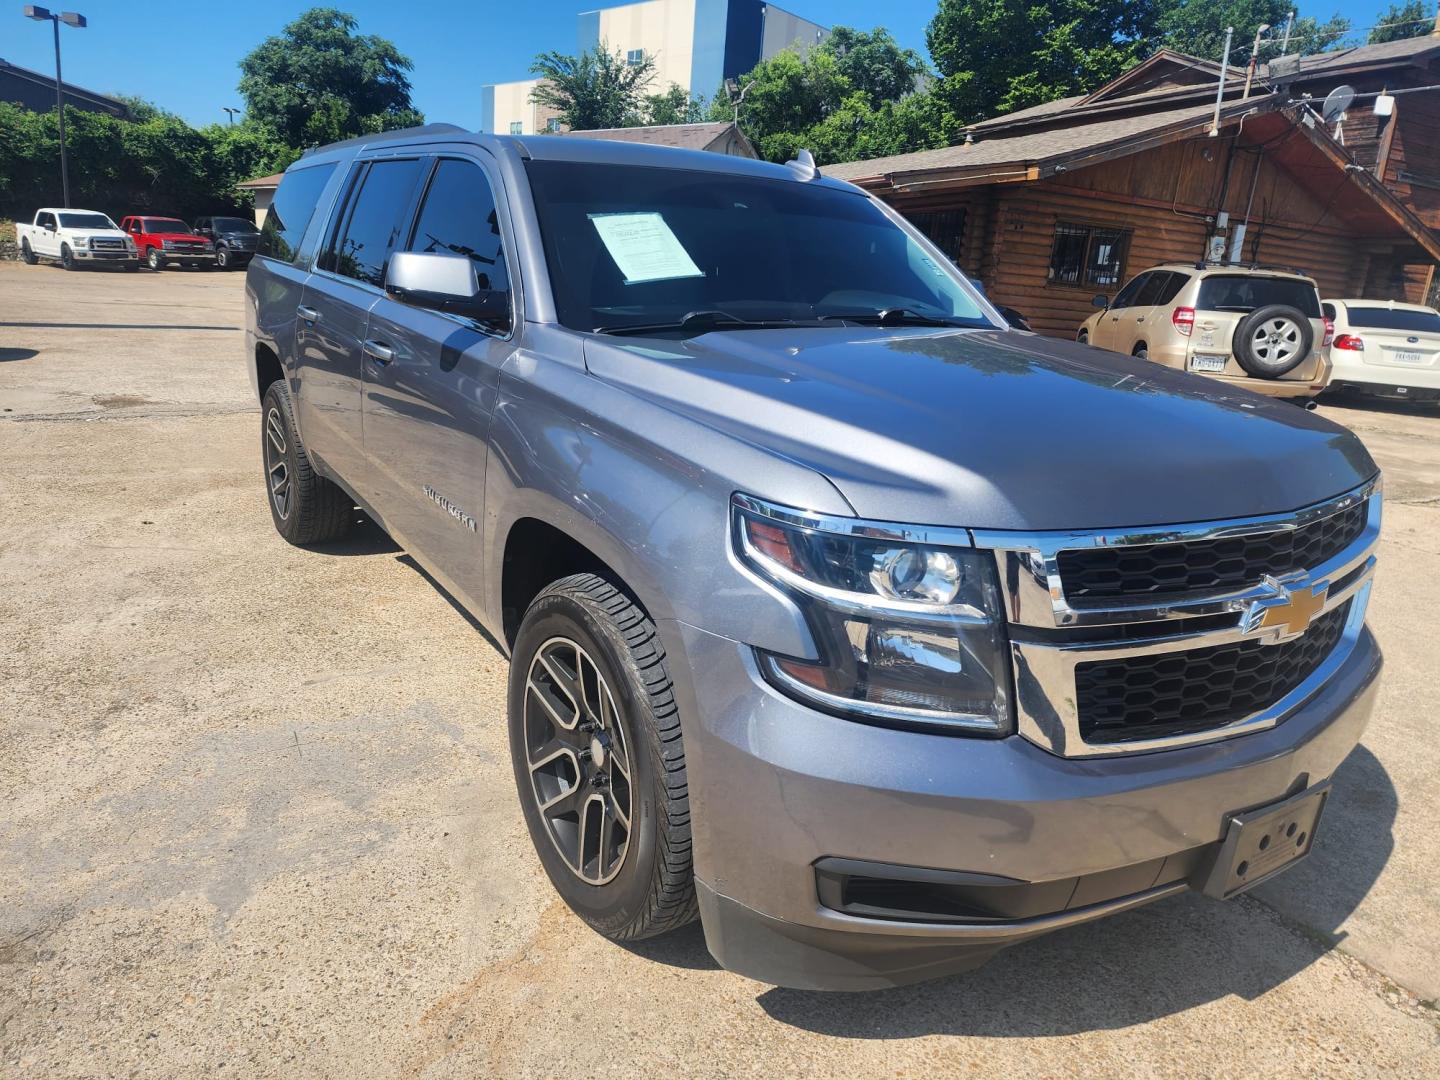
(898, 316)
(704, 320)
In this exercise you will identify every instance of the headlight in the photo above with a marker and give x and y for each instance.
(909, 633)
(81, 241)
(167, 243)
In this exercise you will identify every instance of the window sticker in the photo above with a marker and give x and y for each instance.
(644, 248)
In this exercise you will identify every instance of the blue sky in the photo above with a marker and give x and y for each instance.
(182, 55)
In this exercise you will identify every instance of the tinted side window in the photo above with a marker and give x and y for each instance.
(1172, 288)
(45, 219)
(459, 216)
(1150, 294)
(1126, 296)
(374, 220)
(291, 210)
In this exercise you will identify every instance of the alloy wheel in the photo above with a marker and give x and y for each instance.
(277, 463)
(578, 759)
(1275, 341)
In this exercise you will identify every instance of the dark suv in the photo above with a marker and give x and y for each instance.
(879, 634)
(234, 238)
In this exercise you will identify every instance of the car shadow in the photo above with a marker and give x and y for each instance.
(460, 609)
(1359, 403)
(1140, 966)
(17, 354)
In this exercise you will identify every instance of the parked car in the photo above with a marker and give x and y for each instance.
(1256, 327)
(162, 241)
(234, 239)
(879, 634)
(74, 238)
(1385, 349)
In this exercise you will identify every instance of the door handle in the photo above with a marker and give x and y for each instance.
(309, 314)
(381, 354)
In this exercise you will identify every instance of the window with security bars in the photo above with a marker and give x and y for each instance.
(1090, 256)
(945, 227)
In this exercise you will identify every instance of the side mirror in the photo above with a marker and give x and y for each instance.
(444, 282)
(1101, 301)
(49, 226)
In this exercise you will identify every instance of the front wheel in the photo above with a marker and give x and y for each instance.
(1141, 353)
(222, 258)
(1083, 337)
(28, 257)
(595, 743)
(154, 259)
(67, 257)
(305, 506)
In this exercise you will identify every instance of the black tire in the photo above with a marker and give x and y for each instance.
(1272, 340)
(67, 258)
(222, 257)
(1141, 352)
(28, 257)
(650, 888)
(154, 259)
(310, 509)
(1083, 337)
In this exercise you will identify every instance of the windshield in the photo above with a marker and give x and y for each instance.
(1414, 322)
(166, 224)
(233, 224)
(85, 221)
(631, 247)
(1245, 293)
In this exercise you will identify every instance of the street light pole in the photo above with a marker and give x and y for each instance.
(230, 112)
(69, 18)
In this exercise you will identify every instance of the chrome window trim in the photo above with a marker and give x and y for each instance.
(1029, 568)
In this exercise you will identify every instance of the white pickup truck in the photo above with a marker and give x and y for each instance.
(75, 238)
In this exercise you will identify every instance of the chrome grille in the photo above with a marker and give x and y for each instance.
(1123, 642)
(1148, 697)
(101, 243)
(1092, 575)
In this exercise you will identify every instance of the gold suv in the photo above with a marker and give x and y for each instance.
(1255, 327)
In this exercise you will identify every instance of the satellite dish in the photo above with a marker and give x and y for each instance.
(1336, 102)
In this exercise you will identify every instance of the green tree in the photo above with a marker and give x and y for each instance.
(1197, 27)
(674, 106)
(874, 63)
(596, 89)
(1310, 35)
(318, 81)
(995, 56)
(1412, 19)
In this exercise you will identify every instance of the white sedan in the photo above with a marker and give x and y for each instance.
(1385, 349)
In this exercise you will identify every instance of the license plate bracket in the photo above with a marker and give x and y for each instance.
(1211, 365)
(1260, 843)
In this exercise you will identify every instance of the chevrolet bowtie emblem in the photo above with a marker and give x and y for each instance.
(1293, 611)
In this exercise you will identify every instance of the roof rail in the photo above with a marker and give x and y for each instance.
(387, 136)
(1222, 264)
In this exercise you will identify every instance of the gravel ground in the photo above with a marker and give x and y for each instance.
(257, 816)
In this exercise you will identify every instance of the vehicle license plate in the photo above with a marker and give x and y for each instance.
(1202, 362)
(1407, 356)
(1261, 843)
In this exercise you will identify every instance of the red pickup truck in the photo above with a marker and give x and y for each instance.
(162, 241)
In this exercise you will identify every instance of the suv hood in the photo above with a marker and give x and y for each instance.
(994, 429)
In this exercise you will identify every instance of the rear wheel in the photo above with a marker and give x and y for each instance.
(28, 257)
(595, 743)
(305, 506)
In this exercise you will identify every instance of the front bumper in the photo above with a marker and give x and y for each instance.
(776, 788)
(102, 255)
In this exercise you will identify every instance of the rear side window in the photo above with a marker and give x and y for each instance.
(1241, 293)
(1412, 322)
(376, 214)
(459, 217)
(1172, 288)
(1154, 289)
(291, 211)
(1126, 296)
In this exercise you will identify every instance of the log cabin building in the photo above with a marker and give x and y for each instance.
(1048, 206)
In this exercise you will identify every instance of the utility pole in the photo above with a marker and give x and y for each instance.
(1254, 58)
(1220, 90)
(69, 18)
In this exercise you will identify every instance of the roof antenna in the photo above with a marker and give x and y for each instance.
(803, 165)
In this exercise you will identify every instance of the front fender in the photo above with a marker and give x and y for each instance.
(645, 490)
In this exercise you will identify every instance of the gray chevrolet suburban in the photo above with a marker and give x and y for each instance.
(874, 632)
